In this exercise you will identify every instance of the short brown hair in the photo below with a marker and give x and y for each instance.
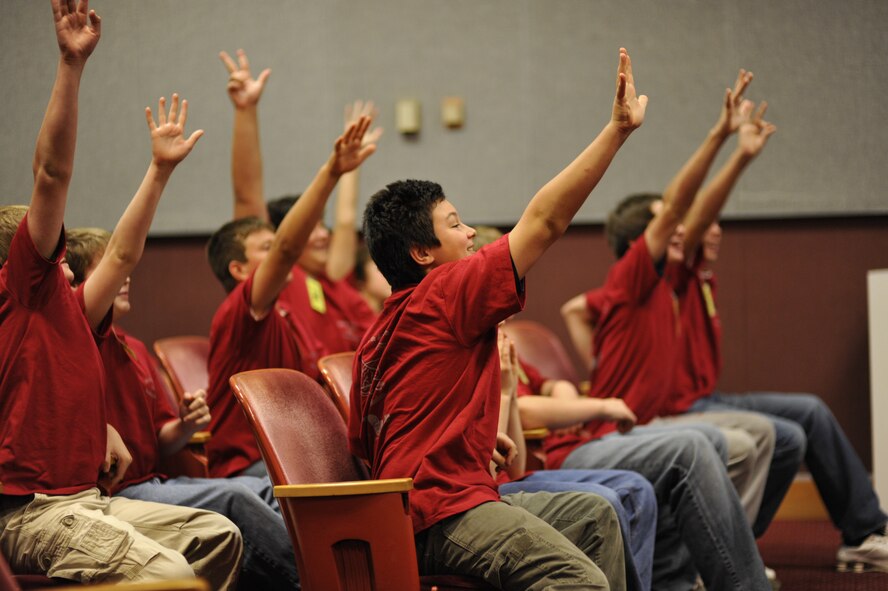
(85, 247)
(227, 244)
(628, 221)
(10, 219)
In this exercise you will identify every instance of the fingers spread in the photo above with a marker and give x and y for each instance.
(229, 63)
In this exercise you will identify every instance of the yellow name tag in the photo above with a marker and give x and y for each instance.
(316, 295)
(707, 297)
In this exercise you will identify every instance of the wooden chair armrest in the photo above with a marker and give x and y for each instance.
(536, 434)
(335, 489)
(200, 438)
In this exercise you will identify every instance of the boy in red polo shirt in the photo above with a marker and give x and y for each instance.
(53, 433)
(426, 389)
(151, 428)
(253, 328)
(806, 428)
(637, 328)
(330, 314)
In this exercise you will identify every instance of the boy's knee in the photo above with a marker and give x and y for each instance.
(164, 565)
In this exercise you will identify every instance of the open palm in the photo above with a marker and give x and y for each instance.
(168, 143)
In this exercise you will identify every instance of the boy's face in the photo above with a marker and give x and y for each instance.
(675, 250)
(712, 242)
(256, 247)
(455, 237)
(314, 257)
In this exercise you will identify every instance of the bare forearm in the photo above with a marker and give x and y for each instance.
(344, 241)
(712, 199)
(516, 432)
(580, 329)
(683, 187)
(173, 436)
(553, 207)
(126, 245)
(556, 413)
(246, 165)
(54, 158)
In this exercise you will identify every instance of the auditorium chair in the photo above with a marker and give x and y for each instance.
(336, 370)
(349, 533)
(185, 360)
(541, 348)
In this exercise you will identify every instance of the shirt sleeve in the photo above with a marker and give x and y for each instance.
(479, 291)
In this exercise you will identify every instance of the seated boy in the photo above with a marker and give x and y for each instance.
(636, 323)
(838, 473)
(151, 428)
(54, 437)
(253, 329)
(328, 311)
(425, 392)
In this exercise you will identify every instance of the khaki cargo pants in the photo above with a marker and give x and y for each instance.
(88, 537)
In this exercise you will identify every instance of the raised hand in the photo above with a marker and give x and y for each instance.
(731, 114)
(754, 130)
(628, 113)
(77, 29)
(349, 151)
(358, 109)
(243, 90)
(168, 143)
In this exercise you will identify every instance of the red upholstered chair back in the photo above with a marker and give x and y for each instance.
(540, 347)
(343, 540)
(300, 431)
(336, 370)
(185, 360)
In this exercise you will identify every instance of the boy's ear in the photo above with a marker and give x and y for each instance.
(238, 270)
(422, 255)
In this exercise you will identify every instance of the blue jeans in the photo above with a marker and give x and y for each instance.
(696, 502)
(269, 562)
(631, 496)
(840, 476)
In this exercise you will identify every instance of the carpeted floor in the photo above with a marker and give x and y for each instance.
(804, 555)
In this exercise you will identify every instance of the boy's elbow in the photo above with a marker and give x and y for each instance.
(47, 174)
(573, 309)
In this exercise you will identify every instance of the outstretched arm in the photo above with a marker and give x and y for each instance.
(680, 193)
(561, 412)
(246, 156)
(344, 241)
(169, 146)
(553, 207)
(752, 137)
(292, 234)
(77, 32)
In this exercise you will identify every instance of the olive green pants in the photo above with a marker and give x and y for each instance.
(530, 541)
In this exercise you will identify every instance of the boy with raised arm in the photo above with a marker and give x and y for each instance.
(329, 312)
(637, 333)
(426, 388)
(54, 437)
(151, 429)
(253, 328)
(806, 428)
